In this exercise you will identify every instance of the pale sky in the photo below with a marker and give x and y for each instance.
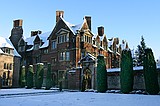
(126, 19)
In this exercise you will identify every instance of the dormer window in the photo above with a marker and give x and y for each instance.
(63, 38)
(7, 50)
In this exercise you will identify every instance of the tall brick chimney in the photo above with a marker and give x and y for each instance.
(100, 31)
(88, 19)
(16, 32)
(59, 14)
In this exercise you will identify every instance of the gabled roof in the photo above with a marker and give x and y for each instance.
(72, 27)
(88, 57)
(102, 37)
(15, 53)
(4, 43)
(43, 37)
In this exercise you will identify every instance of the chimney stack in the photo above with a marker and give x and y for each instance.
(100, 31)
(88, 19)
(17, 23)
(59, 14)
(33, 33)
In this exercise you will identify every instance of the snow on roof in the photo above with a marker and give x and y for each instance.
(76, 27)
(30, 49)
(1, 51)
(123, 46)
(94, 36)
(73, 27)
(110, 50)
(4, 43)
(117, 45)
(44, 37)
(110, 42)
(102, 37)
(118, 53)
(88, 57)
(15, 53)
(45, 44)
(30, 40)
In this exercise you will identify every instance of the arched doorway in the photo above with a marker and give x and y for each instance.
(86, 81)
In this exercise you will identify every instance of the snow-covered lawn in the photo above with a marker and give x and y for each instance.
(75, 99)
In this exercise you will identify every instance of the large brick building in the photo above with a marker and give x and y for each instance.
(71, 50)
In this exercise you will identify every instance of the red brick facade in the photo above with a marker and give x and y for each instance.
(72, 51)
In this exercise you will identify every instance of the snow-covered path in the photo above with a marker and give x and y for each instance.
(81, 99)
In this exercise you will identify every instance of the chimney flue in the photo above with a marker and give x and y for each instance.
(100, 31)
(33, 33)
(59, 14)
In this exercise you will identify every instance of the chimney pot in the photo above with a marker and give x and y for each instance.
(17, 23)
(59, 14)
(33, 33)
(101, 31)
(88, 19)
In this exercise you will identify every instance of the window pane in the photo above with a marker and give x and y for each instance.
(62, 38)
(54, 45)
(63, 55)
(58, 39)
(53, 61)
(67, 37)
(36, 46)
(67, 56)
(10, 67)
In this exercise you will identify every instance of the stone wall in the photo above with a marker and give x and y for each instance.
(139, 84)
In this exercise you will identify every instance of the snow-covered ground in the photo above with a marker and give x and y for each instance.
(56, 98)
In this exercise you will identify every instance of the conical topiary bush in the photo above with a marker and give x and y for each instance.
(22, 77)
(30, 72)
(101, 74)
(48, 77)
(150, 73)
(39, 76)
(126, 74)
